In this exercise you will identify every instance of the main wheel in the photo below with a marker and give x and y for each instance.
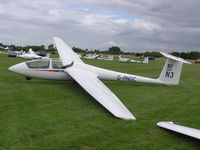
(28, 78)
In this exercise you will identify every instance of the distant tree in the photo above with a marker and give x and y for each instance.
(147, 54)
(193, 55)
(156, 54)
(177, 54)
(139, 54)
(78, 50)
(96, 51)
(42, 47)
(153, 54)
(128, 53)
(37, 48)
(12, 47)
(51, 47)
(184, 55)
(114, 50)
(18, 48)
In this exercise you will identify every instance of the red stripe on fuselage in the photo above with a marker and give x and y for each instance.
(45, 70)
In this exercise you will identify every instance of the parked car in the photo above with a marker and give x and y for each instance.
(11, 54)
(197, 61)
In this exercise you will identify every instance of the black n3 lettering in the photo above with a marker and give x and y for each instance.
(169, 74)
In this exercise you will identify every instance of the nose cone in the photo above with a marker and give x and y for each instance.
(18, 68)
(12, 68)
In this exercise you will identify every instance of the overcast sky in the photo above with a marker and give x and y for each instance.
(133, 25)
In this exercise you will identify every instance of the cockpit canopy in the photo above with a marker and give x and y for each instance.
(45, 63)
(38, 64)
(56, 63)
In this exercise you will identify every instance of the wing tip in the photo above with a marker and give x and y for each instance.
(175, 58)
(160, 124)
(56, 38)
(127, 117)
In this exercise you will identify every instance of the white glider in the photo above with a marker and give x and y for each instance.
(6, 48)
(195, 133)
(71, 67)
(145, 61)
(10, 51)
(31, 55)
(91, 56)
(107, 57)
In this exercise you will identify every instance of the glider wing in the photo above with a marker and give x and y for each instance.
(65, 52)
(90, 83)
(195, 133)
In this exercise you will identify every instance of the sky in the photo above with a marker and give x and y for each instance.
(132, 25)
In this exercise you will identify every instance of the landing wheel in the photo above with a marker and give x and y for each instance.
(28, 78)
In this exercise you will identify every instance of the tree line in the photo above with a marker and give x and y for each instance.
(112, 50)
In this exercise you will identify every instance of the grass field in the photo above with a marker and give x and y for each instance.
(43, 114)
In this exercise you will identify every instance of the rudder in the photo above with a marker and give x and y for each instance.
(171, 71)
(146, 60)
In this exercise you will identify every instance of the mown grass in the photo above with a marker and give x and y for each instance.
(44, 114)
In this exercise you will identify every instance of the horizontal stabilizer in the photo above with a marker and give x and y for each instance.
(175, 58)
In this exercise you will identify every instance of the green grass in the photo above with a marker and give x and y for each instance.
(43, 114)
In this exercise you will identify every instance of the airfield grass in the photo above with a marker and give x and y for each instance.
(45, 114)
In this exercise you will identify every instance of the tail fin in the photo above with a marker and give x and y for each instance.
(31, 52)
(146, 60)
(120, 56)
(47, 55)
(172, 69)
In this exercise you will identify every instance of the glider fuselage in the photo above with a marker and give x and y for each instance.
(29, 56)
(54, 70)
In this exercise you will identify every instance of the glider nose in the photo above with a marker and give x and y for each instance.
(12, 68)
(17, 68)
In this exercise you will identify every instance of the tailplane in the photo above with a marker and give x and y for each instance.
(146, 60)
(172, 69)
(47, 55)
(31, 52)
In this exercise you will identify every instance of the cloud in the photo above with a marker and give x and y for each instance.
(145, 25)
(132, 24)
(112, 43)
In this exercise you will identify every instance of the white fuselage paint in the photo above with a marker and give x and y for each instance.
(59, 74)
(124, 59)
